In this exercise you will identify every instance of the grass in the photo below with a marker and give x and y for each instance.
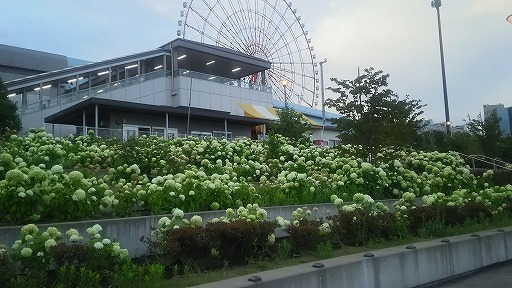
(258, 265)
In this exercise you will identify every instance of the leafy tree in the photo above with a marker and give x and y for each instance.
(291, 124)
(488, 133)
(10, 122)
(373, 116)
(504, 148)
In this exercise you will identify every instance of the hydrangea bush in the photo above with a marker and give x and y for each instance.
(46, 178)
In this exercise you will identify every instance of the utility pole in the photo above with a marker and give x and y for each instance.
(436, 4)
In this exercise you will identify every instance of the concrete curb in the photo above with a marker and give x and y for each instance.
(403, 266)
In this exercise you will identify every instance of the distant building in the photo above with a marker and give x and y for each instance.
(489, 109)
(19, 62)
(504, 114)
(429, 125)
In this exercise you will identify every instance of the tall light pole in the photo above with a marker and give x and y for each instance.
(285, 83)
(323, 101)
(436, 4)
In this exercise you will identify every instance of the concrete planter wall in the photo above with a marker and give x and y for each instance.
(395, 267)
(128, 231)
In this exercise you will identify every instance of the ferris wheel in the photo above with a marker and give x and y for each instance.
(268, 29)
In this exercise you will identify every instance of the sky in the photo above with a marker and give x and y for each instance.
(399, 37)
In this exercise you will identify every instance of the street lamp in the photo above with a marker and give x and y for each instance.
(285, 83)
(436, 4)
(509, 18)
(323, 101)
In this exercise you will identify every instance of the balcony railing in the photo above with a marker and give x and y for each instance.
(91, 92)
(223, 80)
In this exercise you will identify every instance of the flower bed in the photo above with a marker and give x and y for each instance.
(235, 238)
(153, 175)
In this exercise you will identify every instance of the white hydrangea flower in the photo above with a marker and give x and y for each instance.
(271, 239)
(71, 232)
(177, 212)
(57, 169)
(98, 245)
(164, 221)
(26, 252)
(78, 195)
(196, 221)
(53, 232)
(324, 229)
(29, 229)
(261, 214)
(49, 243)
(75, 238)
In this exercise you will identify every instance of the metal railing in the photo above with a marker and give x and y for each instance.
(110, 133)
(223, 80)
(479, 159)
(90, 92)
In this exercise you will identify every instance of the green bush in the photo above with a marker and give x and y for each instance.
(238, 241)
(358, 227)
(7, 267)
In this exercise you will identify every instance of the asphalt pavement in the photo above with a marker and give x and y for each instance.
(499, 275)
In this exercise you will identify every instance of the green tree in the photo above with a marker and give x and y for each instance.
(291, 124)
(10, 122)
(488, 133)
(373, 116)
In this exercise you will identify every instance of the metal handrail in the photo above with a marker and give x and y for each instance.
(90, 92)
(488, 160)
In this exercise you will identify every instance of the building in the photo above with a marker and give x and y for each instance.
(180, 88)
(489, 109)
(503, 114)
(429, 125)
(18, 62)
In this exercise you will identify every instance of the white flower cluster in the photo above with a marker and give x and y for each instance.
(337, 201)
(118, 252)
(78, 195)
(74, 235)
(29, 229)
(282, 223)
(324, 229)
(94, 231)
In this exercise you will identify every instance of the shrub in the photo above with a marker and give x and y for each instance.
(238, 240)
(419, 216)
(71, 254)
(7, 267)
(359, 226)
(475, 211)
(304, 235)
(189, 243)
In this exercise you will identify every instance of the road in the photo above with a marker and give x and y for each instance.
(496, 276)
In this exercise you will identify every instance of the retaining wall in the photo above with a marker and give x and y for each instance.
(129, 230)
(428, 262)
